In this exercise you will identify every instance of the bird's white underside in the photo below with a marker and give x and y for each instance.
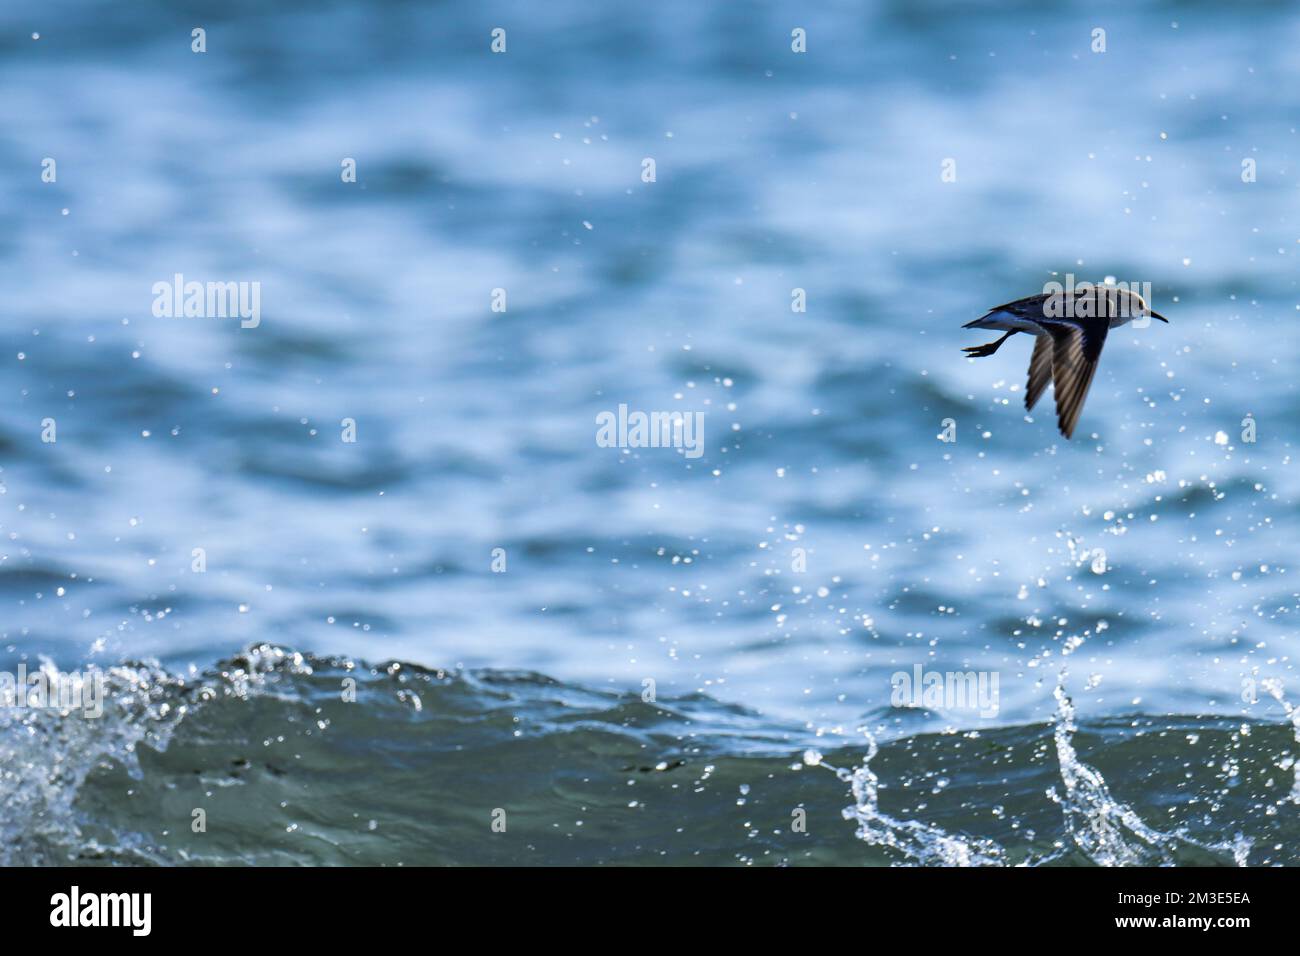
(1008, 322)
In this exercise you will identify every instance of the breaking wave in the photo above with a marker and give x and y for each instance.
(277, 757)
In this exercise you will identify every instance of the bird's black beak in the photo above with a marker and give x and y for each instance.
(1157, 315)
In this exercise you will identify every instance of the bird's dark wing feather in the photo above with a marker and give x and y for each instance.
(1076, 347)
(1040, 371)
(1030, 307)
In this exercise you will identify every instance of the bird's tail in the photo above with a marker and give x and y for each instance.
(979, 323)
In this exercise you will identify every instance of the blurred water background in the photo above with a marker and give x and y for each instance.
(1135, 580)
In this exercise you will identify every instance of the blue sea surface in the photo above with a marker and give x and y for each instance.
(202, 532)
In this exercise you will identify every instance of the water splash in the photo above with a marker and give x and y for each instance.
(1274, 687)
(1103, 829)
(47, 753)
(921, 843)
(1107, 831)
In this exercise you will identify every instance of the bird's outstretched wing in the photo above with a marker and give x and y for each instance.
(1076, 347)
(1040, 371)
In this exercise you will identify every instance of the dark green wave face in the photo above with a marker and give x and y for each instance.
(289, 759)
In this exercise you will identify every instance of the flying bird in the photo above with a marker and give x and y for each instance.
(1069, 329)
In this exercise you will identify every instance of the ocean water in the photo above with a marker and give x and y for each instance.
(476, 635)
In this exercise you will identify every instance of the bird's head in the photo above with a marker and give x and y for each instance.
(1137, 306)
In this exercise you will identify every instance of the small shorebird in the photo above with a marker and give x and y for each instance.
(1070, 328)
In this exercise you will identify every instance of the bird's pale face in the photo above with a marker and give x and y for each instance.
(1133, 306)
